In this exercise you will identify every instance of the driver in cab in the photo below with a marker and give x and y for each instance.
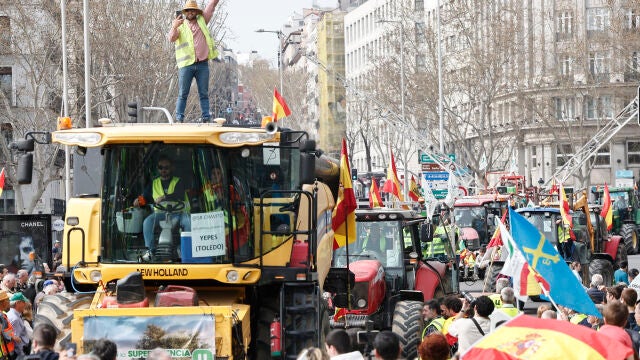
(166, 192)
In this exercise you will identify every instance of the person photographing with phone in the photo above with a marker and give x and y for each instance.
(194, 47)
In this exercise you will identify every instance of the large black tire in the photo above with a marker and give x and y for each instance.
(406, 324)
(621, 254)
(491, 276)
(57, 310)
(630, 237)
(603, 267)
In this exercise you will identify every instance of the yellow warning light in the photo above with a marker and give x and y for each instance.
(64, 123)
(266, 120)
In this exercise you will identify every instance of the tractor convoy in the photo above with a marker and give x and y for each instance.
(244, 261)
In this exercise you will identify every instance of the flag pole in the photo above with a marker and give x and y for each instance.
(346, 228)
(548, 294)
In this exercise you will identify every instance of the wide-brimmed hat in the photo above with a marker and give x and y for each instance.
(3, 295)
(192, 5)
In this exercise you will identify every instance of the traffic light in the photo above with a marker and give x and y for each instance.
(134, 111)
(354, 174)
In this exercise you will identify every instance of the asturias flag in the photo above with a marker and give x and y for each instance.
(543, 257)
(607, 209)
(280, 108)
(375, 200)
(2, 178)
(344, 214)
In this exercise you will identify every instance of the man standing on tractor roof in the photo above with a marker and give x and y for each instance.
(194, 48)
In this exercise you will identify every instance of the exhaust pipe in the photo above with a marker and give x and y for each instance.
(271, 128)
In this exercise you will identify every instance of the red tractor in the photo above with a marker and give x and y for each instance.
(380, 280)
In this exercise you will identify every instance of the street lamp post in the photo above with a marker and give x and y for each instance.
(406, 188)
(440, 106)
(280, 37)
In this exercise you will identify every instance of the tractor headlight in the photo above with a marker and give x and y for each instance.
(95, 275)
(232, 276)
(361, 303)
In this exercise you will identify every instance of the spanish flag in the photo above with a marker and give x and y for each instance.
(375, 200)
(344, 214)
(392, 185)
(564, 208)
(414, 190)
(607, 210)
(280, 108)
(2, 178)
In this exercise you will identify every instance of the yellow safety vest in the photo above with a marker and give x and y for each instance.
(438, 324)
(509, 310)
(497, 301)
(577, 318)
(158, 191)
(185, 49)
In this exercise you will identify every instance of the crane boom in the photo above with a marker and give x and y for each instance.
(592, 146)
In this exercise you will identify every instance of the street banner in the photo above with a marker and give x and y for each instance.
(183, 336)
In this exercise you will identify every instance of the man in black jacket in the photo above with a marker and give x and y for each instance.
(44, 338)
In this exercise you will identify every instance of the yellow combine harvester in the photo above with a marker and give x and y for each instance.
(227, 262)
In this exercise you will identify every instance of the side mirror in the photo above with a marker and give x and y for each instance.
(25, 168)
(426, 233)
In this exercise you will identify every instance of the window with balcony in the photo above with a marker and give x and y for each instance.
(565, 109)
(565, 63)
(633, 152)
(599, 64)
(598, 19)
(564, 23)
(6, 83)
(534, 156)
(603, 158)
(419, 5)
(564, 152)
(598, 108)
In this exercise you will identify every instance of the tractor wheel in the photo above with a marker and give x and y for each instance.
(621, 254)
(630, 237)
(57, 310)
(491, 276)
(406, 324)
(603, 267)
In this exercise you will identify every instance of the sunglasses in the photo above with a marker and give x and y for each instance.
(160, 167)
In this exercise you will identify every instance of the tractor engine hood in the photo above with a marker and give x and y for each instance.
(370, 287)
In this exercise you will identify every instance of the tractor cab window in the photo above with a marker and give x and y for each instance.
(381, 240)
(166, 203)
(546, 223)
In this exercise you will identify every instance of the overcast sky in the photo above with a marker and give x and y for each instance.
(246, 16)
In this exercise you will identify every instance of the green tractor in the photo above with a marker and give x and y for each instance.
(626, 214)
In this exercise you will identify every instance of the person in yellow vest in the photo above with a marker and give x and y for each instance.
(507, 295)
(7, 338)
(501, 283)
(168, 190)
(437, 247)
(564, 240)
(194, 48)
(432, 317)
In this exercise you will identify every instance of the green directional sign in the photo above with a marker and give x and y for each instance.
(440, 194)
(427, 159)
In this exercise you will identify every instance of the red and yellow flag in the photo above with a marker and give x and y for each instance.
(607, 209)
(392, 185)
(375, 200)
(280, 108)
(564, 208)
(344, 214)
(496, 239)
(2, 178)
(414, 190)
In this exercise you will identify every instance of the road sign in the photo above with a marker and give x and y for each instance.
(431, 167)
(229, 110)
(436, 175)
(427, 159)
